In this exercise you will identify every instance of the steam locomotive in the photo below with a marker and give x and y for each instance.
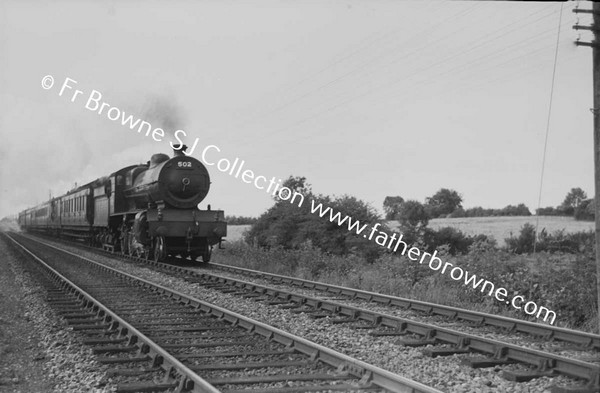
(146, 210)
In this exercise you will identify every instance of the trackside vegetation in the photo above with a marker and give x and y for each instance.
(289, 239)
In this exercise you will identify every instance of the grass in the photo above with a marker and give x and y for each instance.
(548, 279)
(562, 282)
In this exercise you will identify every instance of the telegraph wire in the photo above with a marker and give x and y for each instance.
(537, 220)
(365, 65)
(368, 92)
(404, 56)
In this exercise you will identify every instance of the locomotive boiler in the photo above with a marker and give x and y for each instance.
(164, 195)
(149, 210)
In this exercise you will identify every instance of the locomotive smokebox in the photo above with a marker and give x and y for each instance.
(178, 150)
(181, 182)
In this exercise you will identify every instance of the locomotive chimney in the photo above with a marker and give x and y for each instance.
(178, 150)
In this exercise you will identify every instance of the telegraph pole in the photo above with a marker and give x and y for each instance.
(595, 11)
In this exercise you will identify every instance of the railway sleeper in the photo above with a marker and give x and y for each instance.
(149, 329)
(203, 337)
(252, 295)
(435, 352)
(91, 326)
(73, 321)
(524, 376)
(69, 310)
(104, 340)
(115, 349)
(169, 321)
(318, 315)
(208, 345)
(116, 360)
(593, 386)
(145, 387)
(131, 372)
(342, 387)
(237, 353)
(279, 303)
(250, 365)
(427, 337)
(484, 362)
(80, 315)
(277, 378)
(96, 333)
(368, 327)
(63, 302)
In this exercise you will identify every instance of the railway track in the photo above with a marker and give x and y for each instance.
(582, 340)
(440, 341)
(159, 339)
(445, 342)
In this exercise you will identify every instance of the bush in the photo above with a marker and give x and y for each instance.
(585, 211)
(523, 243)
(559, 241)
(456, 241)
(290, 226)
(547, 211)
(510, 210)
(240, 220)
(564, 283)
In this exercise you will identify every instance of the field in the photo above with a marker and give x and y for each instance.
(235, 232)
(502, 227)
(497, 227)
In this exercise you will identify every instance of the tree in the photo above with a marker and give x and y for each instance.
(413, 215)
(291, 226)
(295, 184)
(573, 200)
(585, 210)
(443, 202)
(391, 207)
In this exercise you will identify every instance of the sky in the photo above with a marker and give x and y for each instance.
(365, 98)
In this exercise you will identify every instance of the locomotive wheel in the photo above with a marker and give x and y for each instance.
(124, 243)
(160, 249)
(206, 255)
(130, 247)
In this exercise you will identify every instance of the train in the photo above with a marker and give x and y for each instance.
(148, 210)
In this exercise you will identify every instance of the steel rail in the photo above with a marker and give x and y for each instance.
(364, 371)
(154, 350)
(499, 351)
(516, 325)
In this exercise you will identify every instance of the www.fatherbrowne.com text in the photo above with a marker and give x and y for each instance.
(274, 187)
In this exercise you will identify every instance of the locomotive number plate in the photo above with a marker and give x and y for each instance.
(184, 165)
